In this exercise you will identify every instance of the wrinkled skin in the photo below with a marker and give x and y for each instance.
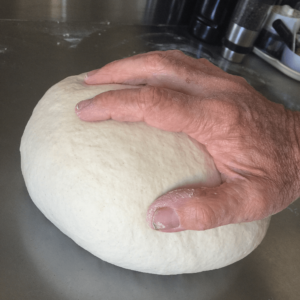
(253, 141)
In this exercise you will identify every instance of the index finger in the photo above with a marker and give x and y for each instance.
(167, 69)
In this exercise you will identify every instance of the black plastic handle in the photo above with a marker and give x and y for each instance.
(284, 32)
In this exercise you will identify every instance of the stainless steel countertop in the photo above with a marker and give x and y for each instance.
(37, 261)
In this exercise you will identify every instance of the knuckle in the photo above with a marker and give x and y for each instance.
(176, 53)
(150, 97)
(162, 59)
(155, 60)
(209, 218)
(203, 60)
(203, 217)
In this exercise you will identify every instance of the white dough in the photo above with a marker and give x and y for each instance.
(95, 181)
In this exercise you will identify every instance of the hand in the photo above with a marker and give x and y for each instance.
(253, 141)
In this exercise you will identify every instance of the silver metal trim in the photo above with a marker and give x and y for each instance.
(232, 56)
(241, 36)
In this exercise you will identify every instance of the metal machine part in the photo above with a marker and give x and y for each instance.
(211, 19)
(268, 40)
(284, 32)
(246, 23)
(238, 42)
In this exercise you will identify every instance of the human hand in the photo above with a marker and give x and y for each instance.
(254, 142)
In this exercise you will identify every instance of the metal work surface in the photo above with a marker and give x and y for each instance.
(37, 261)
(146, 12)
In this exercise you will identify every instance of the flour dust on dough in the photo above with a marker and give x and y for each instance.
(95, 181)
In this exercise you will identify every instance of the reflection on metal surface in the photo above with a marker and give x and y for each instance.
(152, 12)
(232, 55)
(58, 10)
(172, 12)
(241, 36)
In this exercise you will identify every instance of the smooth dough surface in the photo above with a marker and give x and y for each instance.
(95, 181)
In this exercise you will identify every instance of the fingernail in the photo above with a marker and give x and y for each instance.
(165, 218)
(81, 105)
(91, 73)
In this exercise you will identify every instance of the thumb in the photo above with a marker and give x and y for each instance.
(204, 208)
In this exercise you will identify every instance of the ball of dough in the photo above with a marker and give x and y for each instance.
(95, 181)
